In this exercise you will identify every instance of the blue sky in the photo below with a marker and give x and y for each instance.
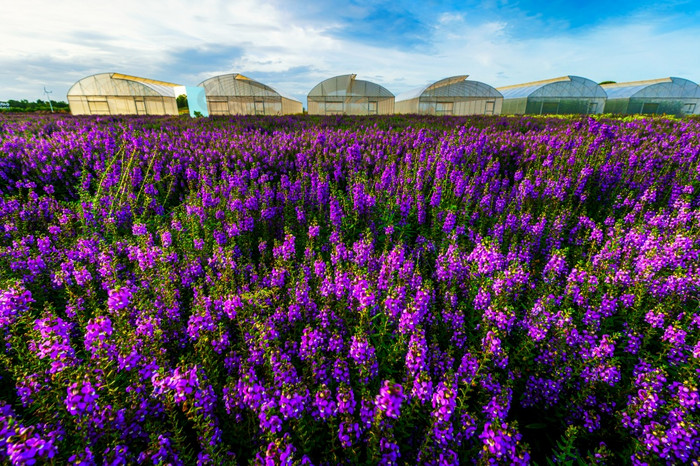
(292, 45)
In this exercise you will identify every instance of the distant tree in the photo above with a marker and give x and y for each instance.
(607, 82)
(181, 101)
(39, 106)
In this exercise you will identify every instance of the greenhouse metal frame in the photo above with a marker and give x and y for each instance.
(346, 95)
(451, 96)
(235, 94)
(121, 94)
(558, 96)
(671, 96)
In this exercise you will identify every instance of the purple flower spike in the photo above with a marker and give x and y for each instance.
(389, 399)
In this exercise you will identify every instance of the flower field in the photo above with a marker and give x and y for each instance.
(397, 290)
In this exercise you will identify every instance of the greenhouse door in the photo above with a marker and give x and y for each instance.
(140, 107)
(98, 106)
(372, 107)
(218, 107)
(592, 108)
(154, 106)
(490, 106)
(688, 109)
(649, 108)
(334, 108)
(259, 107)
(549, 108)
(443, 108)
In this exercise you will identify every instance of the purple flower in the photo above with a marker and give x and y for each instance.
(13, 301)
(348, 433)
(119, 298)
(97, 337)
(501, 443)
(444, 401)
(364, 356)
(139, 229)
(389, 399)
(81, 398)
(450, 220)
(31, 451)
(324, 403)
(346, 400)
(292, 404)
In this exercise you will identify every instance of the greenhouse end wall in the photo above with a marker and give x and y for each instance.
(113, 105)
(351, 106)
(651, 106)
(291, 107)
(514, 106)
(616, 106)
(252, 106)
(475, 106)
(451, 106)
(244, 106)
(560, 106)
(409, 106)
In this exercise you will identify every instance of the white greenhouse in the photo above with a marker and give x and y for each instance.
(345, 95)
(235, 94)
(121, 94)
(451, 96)
(671, 96)
(558, 96)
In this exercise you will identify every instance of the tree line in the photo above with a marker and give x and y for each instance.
(39, 106)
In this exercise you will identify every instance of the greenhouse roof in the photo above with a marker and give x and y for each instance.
(662, 88)
(417, 92)
(455, 86)
(348, 86)
(234, 84)
(118, 84)
(564, 86)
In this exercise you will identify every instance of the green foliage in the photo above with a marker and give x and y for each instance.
(181, 101)
(38, 106)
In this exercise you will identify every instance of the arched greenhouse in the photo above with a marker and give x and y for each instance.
(564, 95)
(121, 94)
(451, 96)
(672, 96)
(345, 95)
(235, 94)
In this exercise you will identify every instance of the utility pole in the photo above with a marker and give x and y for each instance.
(48, 98)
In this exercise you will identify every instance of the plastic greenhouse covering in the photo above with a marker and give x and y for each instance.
(235, 94)
(121, 94)
(563, 95)
(347, 95)
(671, 96)
(451, 96)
